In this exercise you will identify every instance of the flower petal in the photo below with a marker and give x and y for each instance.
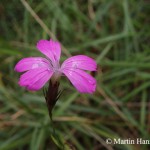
(80, 62)
(52, 49)
(82, 81)
(31, 63)
(35, 79)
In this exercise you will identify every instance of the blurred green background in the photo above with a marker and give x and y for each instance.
(113, 32)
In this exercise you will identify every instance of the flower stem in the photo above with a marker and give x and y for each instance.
(52, 94)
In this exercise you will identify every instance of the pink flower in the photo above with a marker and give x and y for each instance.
(39, 70)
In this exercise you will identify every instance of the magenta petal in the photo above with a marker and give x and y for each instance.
(35, 79)
(80, 62)
(82, 81)
(31, 63)
(52, 49)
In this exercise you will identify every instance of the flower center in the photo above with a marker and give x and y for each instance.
(56, 70)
